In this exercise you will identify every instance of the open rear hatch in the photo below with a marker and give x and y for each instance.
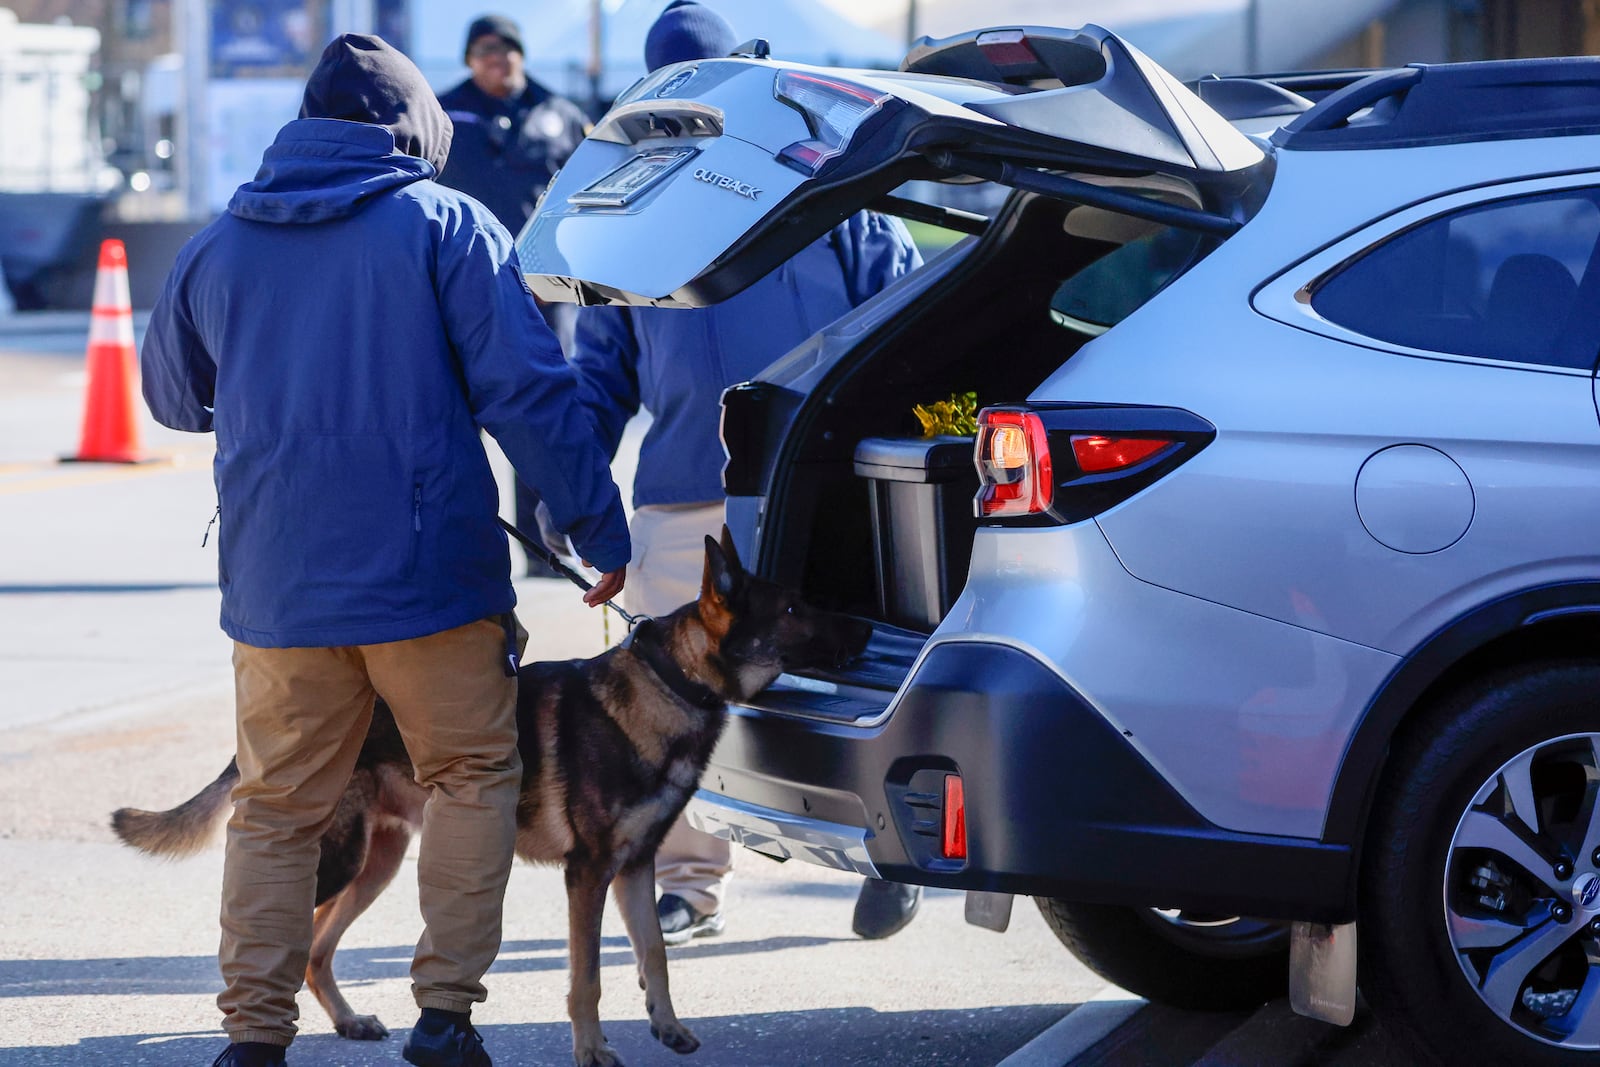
(705, 176)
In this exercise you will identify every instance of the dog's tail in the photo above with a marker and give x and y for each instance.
(180, 831)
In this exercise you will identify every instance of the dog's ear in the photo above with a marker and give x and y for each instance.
(717, 583)
(731, 553)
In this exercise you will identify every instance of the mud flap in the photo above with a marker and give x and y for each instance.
(992, 911)
(1322, 971)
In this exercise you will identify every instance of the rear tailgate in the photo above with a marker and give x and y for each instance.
(705, 176)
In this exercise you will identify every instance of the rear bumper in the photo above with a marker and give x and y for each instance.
(781, 835)
(1057, 802)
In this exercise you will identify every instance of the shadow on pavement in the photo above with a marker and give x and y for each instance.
(147, 975)
(845, 1037)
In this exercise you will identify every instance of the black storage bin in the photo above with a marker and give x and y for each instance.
(922, 523)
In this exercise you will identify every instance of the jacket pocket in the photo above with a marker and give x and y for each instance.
(414, 552)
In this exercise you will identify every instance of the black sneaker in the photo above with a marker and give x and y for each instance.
(252, 1054)
(442, 1039)
(884, 908)
(680, 922)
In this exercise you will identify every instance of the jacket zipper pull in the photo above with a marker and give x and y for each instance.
(207, 535)
(416, 508)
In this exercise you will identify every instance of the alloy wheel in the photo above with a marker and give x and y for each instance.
(1522, 892)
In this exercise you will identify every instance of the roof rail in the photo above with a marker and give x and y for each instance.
(1453, 103)
(1315, 84)
(1248, 98)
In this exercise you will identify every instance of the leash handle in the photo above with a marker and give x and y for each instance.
(560, 567)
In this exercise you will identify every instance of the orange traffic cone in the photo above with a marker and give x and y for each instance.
(110, 423)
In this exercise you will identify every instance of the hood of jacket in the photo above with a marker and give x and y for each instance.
(368, 123)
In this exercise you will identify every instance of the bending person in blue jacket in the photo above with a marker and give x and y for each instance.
(346, 329)
(675, 364)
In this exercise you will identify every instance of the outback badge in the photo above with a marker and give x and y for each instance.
(723, 181)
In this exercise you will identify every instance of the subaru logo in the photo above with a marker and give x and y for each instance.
(1587, 891)
(676, 82)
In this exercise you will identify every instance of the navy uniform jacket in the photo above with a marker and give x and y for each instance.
(506, 151)
(346, 328)
(675, 363)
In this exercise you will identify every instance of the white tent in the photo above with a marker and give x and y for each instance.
(556, 35)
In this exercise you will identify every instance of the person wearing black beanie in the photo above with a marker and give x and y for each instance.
(512, 133)
(349, 329)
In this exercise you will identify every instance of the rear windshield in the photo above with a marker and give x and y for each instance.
(1119, 282)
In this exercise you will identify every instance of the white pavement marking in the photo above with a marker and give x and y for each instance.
(1079, 1031)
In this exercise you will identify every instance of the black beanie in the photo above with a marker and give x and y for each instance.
(360, 78)
(495, 26)
(684, 31)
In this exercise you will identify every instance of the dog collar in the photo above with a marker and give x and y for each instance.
(645, 643)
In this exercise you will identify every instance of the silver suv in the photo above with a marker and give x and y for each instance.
(1264, 605)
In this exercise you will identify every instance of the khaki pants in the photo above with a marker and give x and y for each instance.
(302, 716)
(669, 554)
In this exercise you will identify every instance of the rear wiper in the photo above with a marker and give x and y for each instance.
(1059, 187)
(947, 217)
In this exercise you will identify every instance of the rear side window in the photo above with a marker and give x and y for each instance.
(1513, 280)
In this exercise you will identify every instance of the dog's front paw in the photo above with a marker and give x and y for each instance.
(601, 1055)
(361, 1028)
(675, 1036)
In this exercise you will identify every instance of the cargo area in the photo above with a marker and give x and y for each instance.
(867, 516)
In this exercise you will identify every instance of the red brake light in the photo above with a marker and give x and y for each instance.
(1013, 460)
(1009, 50)
(953, 844)
(1097, 454)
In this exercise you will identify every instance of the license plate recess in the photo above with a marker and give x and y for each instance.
(633, 179)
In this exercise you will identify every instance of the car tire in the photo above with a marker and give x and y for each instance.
(1464, 955)
(1185, 960)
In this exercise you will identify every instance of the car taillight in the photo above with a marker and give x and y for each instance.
(1056, 463)
(1013, 458)
(833, 109)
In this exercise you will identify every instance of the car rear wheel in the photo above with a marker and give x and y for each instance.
(1186, 959)
(1480, 892)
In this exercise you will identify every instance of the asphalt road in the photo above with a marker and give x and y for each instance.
(115, 690)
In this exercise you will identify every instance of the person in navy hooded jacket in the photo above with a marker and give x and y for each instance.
(346, 329)
(511, 136)
(675, 364)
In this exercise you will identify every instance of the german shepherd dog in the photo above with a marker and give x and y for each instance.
(612, 749)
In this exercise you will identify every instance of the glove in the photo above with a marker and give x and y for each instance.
(553, 539)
